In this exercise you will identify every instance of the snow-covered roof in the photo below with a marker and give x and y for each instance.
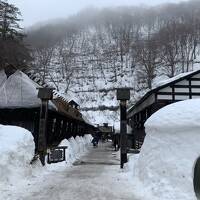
(56, 94)
(72, 102)
(173, 79)
(18, 90)
(163, 84)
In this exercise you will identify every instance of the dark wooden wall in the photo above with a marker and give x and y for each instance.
(138, 120)
(59, 126)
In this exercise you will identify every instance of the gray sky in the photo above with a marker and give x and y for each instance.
(34, 11)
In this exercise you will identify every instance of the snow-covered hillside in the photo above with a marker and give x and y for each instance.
(87, 56)
(91, 86)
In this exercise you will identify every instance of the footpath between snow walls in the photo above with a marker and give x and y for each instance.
(164, 169)
(17, 150)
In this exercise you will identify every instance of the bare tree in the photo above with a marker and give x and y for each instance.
(168, 38)
(43, 57)
(66, 57)
(146, 56)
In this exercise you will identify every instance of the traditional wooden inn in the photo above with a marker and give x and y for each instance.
(182, 87)
(106, 131)
(20, 106)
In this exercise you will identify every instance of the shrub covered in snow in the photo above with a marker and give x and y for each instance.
(165, 165)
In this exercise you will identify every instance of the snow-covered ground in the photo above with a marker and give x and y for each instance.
(17, 150)
(96, 176)
(164, 168)
(162, 171)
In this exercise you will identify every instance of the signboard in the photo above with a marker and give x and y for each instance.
(56, 155)
(123, 94)
(45, 93)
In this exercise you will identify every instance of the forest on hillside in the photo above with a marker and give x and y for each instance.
(87, 56)
(148, 41)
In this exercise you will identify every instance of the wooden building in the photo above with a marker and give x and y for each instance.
(74, 104)
(106, 131)
(20, 106)
(182, 87)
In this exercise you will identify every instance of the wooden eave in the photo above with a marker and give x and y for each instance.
(155, 90)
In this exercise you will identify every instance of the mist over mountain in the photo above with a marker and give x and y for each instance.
(90, 54)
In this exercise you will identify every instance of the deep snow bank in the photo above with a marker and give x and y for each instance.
(17, 150)
(75, 148)
(165, 165)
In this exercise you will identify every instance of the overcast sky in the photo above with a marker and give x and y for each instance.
(34, 11)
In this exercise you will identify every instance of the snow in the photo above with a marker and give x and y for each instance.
(77, 146)
(17, 150)
(164, 168)
(86, 119)
(162, 80)
(105, 116)
(96, 175)
(93, 87)
(18, 90)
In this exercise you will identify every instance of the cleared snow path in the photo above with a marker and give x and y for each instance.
(96, 176)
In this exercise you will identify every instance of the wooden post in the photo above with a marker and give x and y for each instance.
(45, 94)
(123, 94)
(42, 130)
(123, 133)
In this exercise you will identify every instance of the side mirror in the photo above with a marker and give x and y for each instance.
(196, 179)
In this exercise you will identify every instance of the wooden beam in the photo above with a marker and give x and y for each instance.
(190, 89)
(179, 93)
(194, 79)
(186, 86)
(173, 93)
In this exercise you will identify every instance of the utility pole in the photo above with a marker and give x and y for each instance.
(123, 94)
(45, 94)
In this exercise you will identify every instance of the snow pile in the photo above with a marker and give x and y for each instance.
(76, 147)
(17, 150)
(165, 165)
